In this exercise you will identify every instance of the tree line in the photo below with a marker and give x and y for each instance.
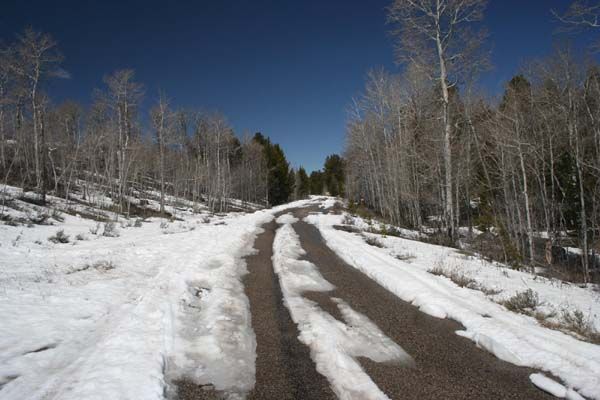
(54, 148)
(425, 146)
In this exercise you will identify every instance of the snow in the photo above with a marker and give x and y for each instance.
(326, 202)
(334, 345)
(402, 268)
(122, 317)
(554, 388)
(370, 225)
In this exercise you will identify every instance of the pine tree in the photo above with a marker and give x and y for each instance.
(303, 184)
(334, 175)
(280, 186)
(316, 182)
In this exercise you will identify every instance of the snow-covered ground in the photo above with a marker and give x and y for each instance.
(402, 267)
(121, 310)
(117, 316)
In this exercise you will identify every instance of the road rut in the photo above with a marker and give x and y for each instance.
(447, 366)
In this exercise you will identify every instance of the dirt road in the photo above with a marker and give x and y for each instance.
(447, 365)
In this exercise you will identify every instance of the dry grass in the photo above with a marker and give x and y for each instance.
(455, 276)
(572, 323)
(524, 302)
(461, 279)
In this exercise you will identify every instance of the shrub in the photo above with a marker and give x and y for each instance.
(10, 221)
(57, 216)
(103, 265)
(59, 237)
(404, 256)
(459, 278)
(462, 280)
(348, 220)
(80, 236)
(373, 241)
(523, 302)
(438, 269)
(110, 230)
(40, 219)
(96, 229)
(576, 322)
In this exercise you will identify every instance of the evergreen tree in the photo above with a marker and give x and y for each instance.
(334, 175)
(302, 184)
(292, 181)
(280, 186)
(316, 182)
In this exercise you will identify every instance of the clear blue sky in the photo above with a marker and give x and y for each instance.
(286, 68)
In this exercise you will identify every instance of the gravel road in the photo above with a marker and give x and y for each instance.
(447, 366)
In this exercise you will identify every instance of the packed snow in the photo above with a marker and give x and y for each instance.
(334, 345)
(553, 387)
(120, 314)
(121, 310)
(402, 267)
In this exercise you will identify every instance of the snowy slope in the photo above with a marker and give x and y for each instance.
(119, 317)
(512, 337)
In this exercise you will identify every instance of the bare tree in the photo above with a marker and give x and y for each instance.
(435, 35)
(161, 120)
(581, 15)
(123, 97)
(36, 55)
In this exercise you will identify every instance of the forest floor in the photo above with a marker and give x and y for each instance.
(275, 304)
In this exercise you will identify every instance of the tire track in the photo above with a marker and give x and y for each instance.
(284, 368)
(447, 365)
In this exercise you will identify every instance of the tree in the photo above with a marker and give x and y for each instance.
(582, 15)
(316, 182)
(334, 176)
(161, 120)
(302, 184)
(516, 107)
(123, 98)
(279, 183)
(36, 56)
(434, 35)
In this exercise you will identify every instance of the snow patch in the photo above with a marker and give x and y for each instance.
(554, 388)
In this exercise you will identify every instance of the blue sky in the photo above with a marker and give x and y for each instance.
(286, 68)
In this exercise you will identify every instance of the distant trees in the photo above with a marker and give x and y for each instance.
(317, 183)
(280, 183)
(27, 64)
(185, 154)
(333, 175)
(525, 167)
(302, 184)
(331, 180)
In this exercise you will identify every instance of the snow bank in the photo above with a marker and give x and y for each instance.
(334, 345)
(121, 317)
(402, 268)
